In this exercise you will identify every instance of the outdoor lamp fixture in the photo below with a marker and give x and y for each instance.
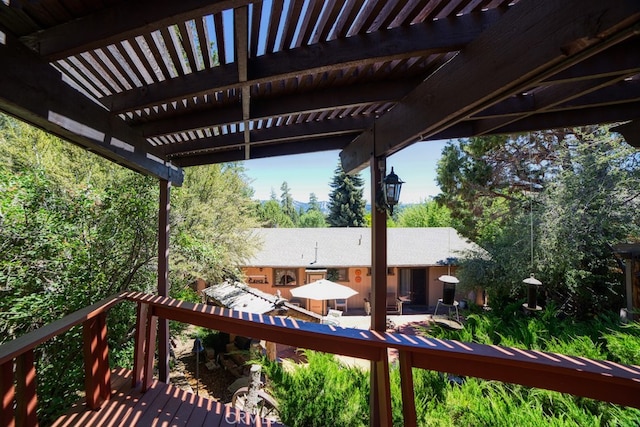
(391, 186)
(532, 293)
(448, 288)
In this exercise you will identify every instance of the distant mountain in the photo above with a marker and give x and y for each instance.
(324, 206)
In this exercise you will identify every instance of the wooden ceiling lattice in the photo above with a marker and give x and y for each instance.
(157, 85)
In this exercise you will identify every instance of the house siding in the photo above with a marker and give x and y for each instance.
(362, 286)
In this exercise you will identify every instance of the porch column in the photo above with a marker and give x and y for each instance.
(380, 397)
(163, 277)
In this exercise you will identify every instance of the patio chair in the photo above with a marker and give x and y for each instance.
(332, 317)
(340, 304)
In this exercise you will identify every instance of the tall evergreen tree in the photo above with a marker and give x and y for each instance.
(346, 200)
(286, 201)
(314, 205)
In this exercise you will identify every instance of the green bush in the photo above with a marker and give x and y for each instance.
(322, 392)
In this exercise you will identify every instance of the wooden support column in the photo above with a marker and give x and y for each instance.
(163, 278)
(140, 344)
(406, 386)
(97, 375)
(7, 394)
(150, 349)
(26, 397)
(380, 398)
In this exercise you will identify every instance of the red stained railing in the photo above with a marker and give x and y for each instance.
(601, 380)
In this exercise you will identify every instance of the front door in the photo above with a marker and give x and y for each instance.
(419, 286)
(315, 305)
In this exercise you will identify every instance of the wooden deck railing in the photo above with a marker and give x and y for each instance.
(602, 380)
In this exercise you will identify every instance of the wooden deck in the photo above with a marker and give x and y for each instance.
(161, 405)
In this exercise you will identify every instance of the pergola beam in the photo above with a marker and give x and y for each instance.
(302, 146)
(484, 73)
(121, 22)
(382, 46)
(274, 134)
(35, 92)
(263, 109)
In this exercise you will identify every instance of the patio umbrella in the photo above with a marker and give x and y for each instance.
(323, 289)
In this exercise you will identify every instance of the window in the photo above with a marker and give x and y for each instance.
(285, 277)
(343, 274)
(338, 274)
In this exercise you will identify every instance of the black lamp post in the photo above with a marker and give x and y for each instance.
(391, 186)
(532, 293)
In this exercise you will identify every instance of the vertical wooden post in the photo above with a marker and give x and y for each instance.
(163, 278)
(150, 350)
(97, 375)
(140, 344)
(26, 397)
(378, 252)
(406, 386)
(380, 398)
(7, 394)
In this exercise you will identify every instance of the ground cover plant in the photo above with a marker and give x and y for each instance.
(340, 393)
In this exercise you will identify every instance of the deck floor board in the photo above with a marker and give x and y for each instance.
(161, 405)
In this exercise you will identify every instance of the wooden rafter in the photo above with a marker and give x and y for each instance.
(37, 94)
(431, 108)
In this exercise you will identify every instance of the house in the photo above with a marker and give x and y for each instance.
(290, 257)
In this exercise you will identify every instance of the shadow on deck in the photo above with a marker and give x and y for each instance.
(161, 404)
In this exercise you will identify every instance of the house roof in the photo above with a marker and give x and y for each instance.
(158, 85)
(351, 247)
(242, 297)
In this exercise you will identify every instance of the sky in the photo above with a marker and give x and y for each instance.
(312, 173)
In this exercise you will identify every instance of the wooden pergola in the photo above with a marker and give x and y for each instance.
(160, 85)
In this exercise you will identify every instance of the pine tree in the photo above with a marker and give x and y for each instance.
(314, 204)
(286, 201)
(346, 200)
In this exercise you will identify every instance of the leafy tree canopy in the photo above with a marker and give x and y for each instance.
(426, 214)
(581, 199)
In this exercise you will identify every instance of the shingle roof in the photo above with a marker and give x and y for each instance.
(350, 247)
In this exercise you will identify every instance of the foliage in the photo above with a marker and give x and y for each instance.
(211, 219)
(286, 201)
(426, 214)
(476, 173)
(312, 219)
(75, 228)
(339, 394)
(346, 200)
(68, 238)
(592, 205)
(581, 200)
(270, 215)
(478, 402)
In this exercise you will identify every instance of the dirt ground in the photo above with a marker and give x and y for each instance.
(212, 383)
(215, 383)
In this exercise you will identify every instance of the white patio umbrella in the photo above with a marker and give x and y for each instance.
(323, 289)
